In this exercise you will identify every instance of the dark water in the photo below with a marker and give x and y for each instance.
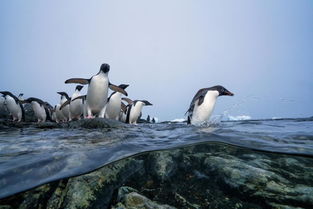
(31, 155)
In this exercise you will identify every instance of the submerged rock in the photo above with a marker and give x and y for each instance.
(199, 176)
(130, 199)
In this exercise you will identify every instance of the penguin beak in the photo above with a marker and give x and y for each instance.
(147, 103)
(228, 93)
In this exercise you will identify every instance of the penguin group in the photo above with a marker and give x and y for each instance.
(96, 103)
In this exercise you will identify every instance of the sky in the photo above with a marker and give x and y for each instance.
(260, 50)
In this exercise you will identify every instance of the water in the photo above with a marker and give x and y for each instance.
(32, 155)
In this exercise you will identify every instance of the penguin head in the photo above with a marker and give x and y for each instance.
(79, 87)
(222, 91)
(63, 94)
(145, 102)
(123, 86)
(105, 68)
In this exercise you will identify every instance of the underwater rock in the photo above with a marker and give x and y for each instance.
(262, 178)
(93, 190)
(130, 199)
(162, 165)
(206, 176)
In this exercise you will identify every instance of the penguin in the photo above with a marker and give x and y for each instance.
(84, 104)
(64, 107)
(59, 117)
(54, 115)
(97, 93)
(2, 104)
(50, 110)
(203, 103)
(75, 107)
(41, 109)
(20, 96)
(123, 113)
(113, 107)
(134, 110)
(153, 120)
(148, 119)
(14, 106)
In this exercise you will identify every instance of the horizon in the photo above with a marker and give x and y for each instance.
(262, 51)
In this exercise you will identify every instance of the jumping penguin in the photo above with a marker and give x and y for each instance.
(202, 104)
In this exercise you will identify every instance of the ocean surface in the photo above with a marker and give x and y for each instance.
(31, 154)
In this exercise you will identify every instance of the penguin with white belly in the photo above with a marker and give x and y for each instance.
(134, 110)
(75, 105)
(84, 104)
(14, 106)
(65, 106)
(97, 94)
(59, 117)
(123, 113)
(40, 108)
(113, 107)
(202, 104)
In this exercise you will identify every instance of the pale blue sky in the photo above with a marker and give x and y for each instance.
(166, 50)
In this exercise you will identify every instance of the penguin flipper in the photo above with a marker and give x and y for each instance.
(128, 114)
(123, 107)
(201, 99)
(82, 81)
(23, 112)
(48, 114)
(80, 97)
(198, 97)
(117, 89)
(65, 103)
(129, 101)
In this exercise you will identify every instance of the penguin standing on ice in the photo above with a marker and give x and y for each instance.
(41, 109)
(59, 117)
(134, 110)
(14, 106)
(123, 113)
(113, 108)
(84, 104)
(65, 106)
(97, 94)
(203, 103)
(75, 105)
